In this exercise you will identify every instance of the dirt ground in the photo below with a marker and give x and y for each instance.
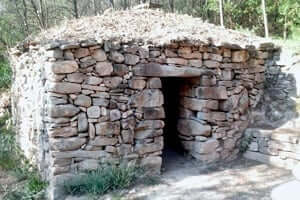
(6, 182)
(241, 179)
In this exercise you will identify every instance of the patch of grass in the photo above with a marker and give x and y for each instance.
(103, 180)
(31, 185)
(5, 74)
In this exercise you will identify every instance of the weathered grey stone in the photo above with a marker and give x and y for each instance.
(131, 59)
(127, 136)
(92, 80)
(206, 147)
(81, 154)
(104, 68)
(148, 98)
(63, 87)
(100, 102)
(67, 144)
(211, 64)
(212, 116)
(82, 122)
(62, 132)
(87, 62)
(195, 63)
(63, 111)
(199, 104)
(124, 149)
(154, 83)
(63, 67)
(152, 164)
(114, 115)
(94, 112)
(142, 149)
(211, 92)
(103, 141)
(99, 55)
(112, 82)
(92, 131)
(141, 134)
(154, 113)
(117, 57)
(88, 165)
(150, 124)
(120, 69)
(84, 101)
(76, 77)
(177, 61)
(240, 56)
(137, 84)
(157, 70)
(108, 128)
(192, 127)
(81, 52)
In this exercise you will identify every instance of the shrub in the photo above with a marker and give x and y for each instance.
(5, 74)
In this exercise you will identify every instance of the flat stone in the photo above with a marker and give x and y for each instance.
(84, 101)
(113, 82)
(81, 52)
(137, 84)
(177, 61)
(150, 124)
(94, 112)
(154, 83)
(154, 113)
(100, 102)
(63, 110)
(199, 104)
(211, 64)
(120, 69)
(67, 144)
(142, 149)
(127, 136)
(63, 132)
(157, 70)
(211, 92)
(108, 128)
(104, 141)
(76, 77)
(212, 116)
(63, 67)
(88, 165)
(131, 59)
(192, 127)
(63, 87)
(240, 56)
(148, 98)
(104, 68)
(152, 164)
(99, 55)
(92, 80)
(206, 147)
(195, 63)
(117, 57)
(82, 123)
(141, 134)
(87, 62)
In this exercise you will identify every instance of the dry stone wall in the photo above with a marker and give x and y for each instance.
(82, 105)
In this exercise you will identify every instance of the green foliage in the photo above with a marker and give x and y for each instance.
(12, 160)
(5, 74)
(246, 140)
(102, 180)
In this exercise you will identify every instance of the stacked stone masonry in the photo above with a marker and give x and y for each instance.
(276, 147)
(84, 104)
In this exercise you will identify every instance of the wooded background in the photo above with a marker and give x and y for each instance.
(279, 18)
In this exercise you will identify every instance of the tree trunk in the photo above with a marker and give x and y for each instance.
(76, 15)
(171, 5)
(221, 13)
(263, 5)
(285, 28)
(112, 3)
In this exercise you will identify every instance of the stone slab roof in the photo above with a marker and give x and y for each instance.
(149, 27)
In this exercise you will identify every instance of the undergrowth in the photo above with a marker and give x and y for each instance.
(5, 74)
(30, 185)
(107, 179)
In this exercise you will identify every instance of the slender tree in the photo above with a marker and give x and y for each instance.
(263, 6)
(221, 13)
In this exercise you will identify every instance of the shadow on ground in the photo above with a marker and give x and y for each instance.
(184, 179)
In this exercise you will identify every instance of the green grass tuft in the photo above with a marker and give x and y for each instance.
(103, 180)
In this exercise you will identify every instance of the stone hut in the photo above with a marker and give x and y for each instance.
(101, 90)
